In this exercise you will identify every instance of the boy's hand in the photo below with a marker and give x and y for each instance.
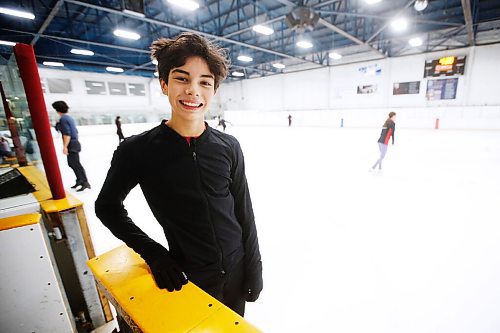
(167, 274)
(253, 287)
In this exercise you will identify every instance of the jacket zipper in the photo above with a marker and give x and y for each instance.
(219, 248)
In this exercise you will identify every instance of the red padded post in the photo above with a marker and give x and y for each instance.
(28, 70)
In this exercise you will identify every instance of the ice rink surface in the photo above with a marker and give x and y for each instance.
(414, 249)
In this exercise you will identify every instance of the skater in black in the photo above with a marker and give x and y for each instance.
(387, 132)
(289, 120)
(71, 145)
(119, 132)
(194, 183)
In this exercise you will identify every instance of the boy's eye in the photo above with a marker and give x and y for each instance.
(207, 83)
(181, 79)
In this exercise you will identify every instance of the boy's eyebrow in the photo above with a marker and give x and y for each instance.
(187, 73)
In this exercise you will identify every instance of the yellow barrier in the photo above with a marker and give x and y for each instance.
(125, 280)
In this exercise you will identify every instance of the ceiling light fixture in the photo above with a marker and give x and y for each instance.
(157, 74)
(126, 34)
(263, 30)
(245, 58)
(421, 5)
(372, 2)
(114, 69)
(53, 63)
(399, 24)
(335, 55)
(239, 74)
(82, 52)
(17, 13)
(131, 12)
(155, 62)
(186, 4)
(304, 44)
(417, 41)
(4, 42)
(279, 65)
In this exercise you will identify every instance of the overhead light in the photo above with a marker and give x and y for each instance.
(53, 63)
(155, 62)
(131, 12)
(97, 84)
(186, 4)
(114, 69)
(421, 5)
(235, 73)
(399, 24)
(304, 44)
(335, 55)
(245, 58)
(4, 42)
(263, 30)
(372, 2)
(278, 65)
(82, 52)
(17, 13)
(157, 74)
(126, 34)
(417, 41)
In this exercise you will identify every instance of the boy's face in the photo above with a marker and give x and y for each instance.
(190, 89)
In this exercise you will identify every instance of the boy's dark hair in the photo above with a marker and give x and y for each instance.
(171, 53)
(60, 106)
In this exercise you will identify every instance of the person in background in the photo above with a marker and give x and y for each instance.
(387, 132)
(194, 183)
(71, 145)
(289, 120)
(222, 122)
(119, 132)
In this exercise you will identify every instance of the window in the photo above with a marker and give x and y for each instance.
(136, 89)
(117, 88)
(59, 86)
(95, 88)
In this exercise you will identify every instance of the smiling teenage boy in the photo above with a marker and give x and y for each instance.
(194, 182)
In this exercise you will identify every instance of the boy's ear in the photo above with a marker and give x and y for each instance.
(163, 86)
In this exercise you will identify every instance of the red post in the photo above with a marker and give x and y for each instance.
(437, 124)
(28, 70)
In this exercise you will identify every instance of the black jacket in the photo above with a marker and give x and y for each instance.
(387, 131)
(198, 193)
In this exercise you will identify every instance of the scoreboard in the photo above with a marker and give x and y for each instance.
(446, 66)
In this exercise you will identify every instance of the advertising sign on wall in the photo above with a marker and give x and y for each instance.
(442, 89)
(445, 66)
(405, 88)
(367, 89)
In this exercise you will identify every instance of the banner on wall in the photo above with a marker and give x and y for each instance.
(442, 89)
(367, 89)
(373, 69)
(406, 88)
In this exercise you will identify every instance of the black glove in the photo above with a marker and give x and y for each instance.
(253, 284)
(167, 274)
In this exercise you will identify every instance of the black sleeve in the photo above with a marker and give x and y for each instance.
(244, 214)
(121, 179)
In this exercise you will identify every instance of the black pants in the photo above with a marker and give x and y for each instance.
(120, 135)
(226, 287)
(74, 163)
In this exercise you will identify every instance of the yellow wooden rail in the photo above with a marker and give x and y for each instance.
(127, 283)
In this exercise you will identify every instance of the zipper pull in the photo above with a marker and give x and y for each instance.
(194, 155)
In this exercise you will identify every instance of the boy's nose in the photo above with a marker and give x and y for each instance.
(192, 90)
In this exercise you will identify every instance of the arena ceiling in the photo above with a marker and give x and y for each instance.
(353, 29)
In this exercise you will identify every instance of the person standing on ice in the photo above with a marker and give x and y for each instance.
(194, 183)
(387, 132)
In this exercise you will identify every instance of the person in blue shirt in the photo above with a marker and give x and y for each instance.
(71, 145)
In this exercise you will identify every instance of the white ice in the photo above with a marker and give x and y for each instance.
(415, 249)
